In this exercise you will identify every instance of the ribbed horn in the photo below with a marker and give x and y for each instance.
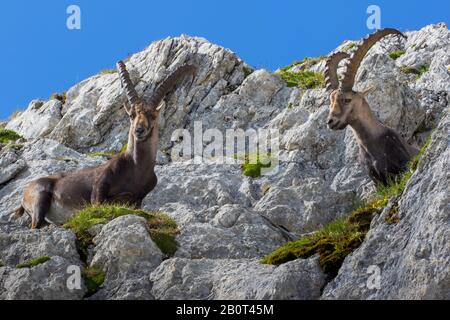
(358, 55)
(127, 84)
(167, 85)
(331, 77)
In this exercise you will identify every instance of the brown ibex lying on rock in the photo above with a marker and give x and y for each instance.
(125, 179)
(383, 151)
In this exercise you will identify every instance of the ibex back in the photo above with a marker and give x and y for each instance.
(126, 178)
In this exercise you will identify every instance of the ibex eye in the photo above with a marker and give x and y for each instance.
(347, 101)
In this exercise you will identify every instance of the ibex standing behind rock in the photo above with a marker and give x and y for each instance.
(383, 151)
(126, 178)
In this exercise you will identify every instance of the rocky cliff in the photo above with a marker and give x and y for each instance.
(229, 221)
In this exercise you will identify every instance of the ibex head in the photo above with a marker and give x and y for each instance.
(347, 105)
(144, 114)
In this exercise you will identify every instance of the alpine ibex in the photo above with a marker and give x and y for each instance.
(126, 178)
(383, 151)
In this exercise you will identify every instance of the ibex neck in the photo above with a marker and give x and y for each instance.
(144, 152)
(367, 128)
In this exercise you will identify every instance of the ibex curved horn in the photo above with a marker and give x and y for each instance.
(358, 55)
(127, 84)
(167, 85)
(331, 77)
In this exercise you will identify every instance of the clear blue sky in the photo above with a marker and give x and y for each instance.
(39, 55)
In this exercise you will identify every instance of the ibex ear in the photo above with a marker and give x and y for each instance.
(368, 91)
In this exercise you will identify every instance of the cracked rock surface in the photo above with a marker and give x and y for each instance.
(228, 221)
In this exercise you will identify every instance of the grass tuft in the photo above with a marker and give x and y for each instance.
(303, 79)
(333, 243)
(7, 136)
(396, 54)
(417, 71)
(33, 262)
(162, 228)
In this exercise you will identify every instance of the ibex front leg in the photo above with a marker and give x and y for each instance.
(100, 189)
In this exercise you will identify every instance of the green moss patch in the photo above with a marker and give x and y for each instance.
(7, 136)
(253, 163)
(333, 243)
(33, 262)
(162, 228)
(396, 54)
(1, 264)
(93, 279)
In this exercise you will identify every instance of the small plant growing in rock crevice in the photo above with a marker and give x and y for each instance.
(7, 136)
(162, 228)
(33, 262)
(93, 279)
